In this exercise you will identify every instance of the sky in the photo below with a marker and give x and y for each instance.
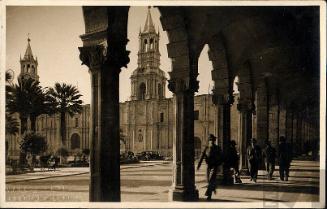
(54, 32)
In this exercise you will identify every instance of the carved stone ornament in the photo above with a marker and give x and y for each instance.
(117, 53)
(222, 99)
(179, 85)
(246, 106)
(93, 56)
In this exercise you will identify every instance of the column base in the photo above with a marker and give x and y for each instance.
(244, 172)
(180, 194)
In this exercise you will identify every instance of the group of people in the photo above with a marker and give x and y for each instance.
(255, 156)
(214, 157)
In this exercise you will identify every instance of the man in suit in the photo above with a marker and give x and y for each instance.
(212, 155)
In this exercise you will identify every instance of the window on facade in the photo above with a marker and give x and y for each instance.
(140, 138)
(145, 46)
(196, 115)
(151, 43)
(142, 91)
(75, 141)
(161, 117)
(76, 122)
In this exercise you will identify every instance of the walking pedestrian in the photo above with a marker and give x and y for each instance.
(212, 155)
(285, 158)
(254, 158)
(269, 156)
(234, 161)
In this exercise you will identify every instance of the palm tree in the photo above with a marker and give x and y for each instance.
(12, 125)
(25, 98)
(66, 99)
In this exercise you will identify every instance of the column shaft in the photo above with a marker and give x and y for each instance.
(245, 134)
(262, 113)
(95, 136)
(110, 136)
(183, 149)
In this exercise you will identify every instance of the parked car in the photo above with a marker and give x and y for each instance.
(128, 157)
(149, 155)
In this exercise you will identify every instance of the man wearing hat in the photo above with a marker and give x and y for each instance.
(212, 155)
(285, 158)
(254, 158)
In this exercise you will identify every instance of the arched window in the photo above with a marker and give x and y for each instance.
(28, 68)
(75, 141)
(142, 90)
(151, 43)
(145, 45)
(197, 147)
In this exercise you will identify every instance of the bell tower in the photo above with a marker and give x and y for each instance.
(28, 65)
(148, 80)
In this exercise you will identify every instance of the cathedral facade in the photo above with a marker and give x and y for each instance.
(147, 120)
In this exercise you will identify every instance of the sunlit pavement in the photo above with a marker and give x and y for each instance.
(150, 182)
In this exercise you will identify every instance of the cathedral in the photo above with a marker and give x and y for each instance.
(146, 121)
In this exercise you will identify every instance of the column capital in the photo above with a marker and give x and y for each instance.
(222, 99)
(97, 55)
(117, 53)
(93, 56)
(246, 107)
(179, 85)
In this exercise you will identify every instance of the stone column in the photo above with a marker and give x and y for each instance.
(274, 115)
(262, 113)
(245, 130)
(93, 58)
(105, 61)
(223, 103)
(183, 188)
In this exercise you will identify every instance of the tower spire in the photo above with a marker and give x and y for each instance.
(28, 52)
(148, 26)
(28, 64)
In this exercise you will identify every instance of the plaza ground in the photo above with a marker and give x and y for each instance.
(150, 182)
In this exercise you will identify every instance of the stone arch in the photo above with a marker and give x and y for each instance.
(142, 91)
(75, 141)
(222, 74)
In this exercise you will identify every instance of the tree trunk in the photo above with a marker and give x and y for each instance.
(33, 123)
(23, 125)
(63, 128)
